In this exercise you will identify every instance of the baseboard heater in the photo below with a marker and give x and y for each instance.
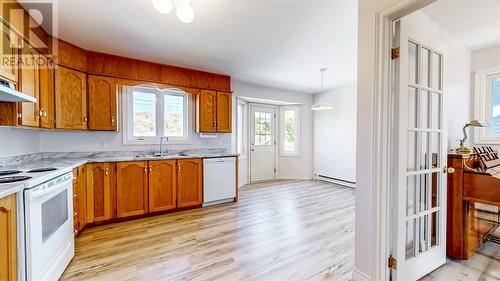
(337, 181)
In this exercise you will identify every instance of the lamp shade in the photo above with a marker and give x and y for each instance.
(321, 106)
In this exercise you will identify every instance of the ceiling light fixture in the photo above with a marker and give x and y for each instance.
(163, 6)
(322, 105)
(184, 11)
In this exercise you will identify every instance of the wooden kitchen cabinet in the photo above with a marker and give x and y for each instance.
(102, 103)
(8, 242)
(214, 112)
(132, 188)
(224, 112)
(79, 200)
(47, 95)
(71, 99)
(101, 192)
(189, 182)
(207, 111)
(9, 69)
(29, 112)
(162, 185)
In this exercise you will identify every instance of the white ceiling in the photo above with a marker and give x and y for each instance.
(278, 43)
(475, 23)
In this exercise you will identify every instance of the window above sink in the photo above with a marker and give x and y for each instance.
(151, 113)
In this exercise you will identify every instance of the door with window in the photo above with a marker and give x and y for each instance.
(419, 196)
(262, 143)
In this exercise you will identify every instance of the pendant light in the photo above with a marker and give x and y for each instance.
(322, 105)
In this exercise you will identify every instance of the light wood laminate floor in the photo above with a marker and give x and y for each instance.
(482, 266)
(293, 230)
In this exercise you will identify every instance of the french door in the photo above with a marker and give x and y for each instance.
(262, 143)
(420, 182)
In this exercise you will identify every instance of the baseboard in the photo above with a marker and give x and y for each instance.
(336, 181)
(359, 276)
(298, 178)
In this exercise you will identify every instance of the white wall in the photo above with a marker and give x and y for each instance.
(14, 141)
(335, 135)
(457, 64)
(299, 167)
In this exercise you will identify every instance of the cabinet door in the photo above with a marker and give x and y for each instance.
(82, 197)
(132, 188)
(8, 244)
(162, 185)
(71, 99)
(99, 192)
(189, 182)
(28, 84)
(102, 103)
(224, 112)
(207, 111)
(9, 38)
(47, 117)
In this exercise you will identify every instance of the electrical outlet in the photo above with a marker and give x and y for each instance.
(101, 144)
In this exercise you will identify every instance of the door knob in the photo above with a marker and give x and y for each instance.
(252, 149)
(449, 170)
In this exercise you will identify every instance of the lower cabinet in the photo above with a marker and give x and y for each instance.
(8, 244)
(101, 192)
(189, 182)
(162, 185)
(127, 189)
(79, 200)
(132, 188)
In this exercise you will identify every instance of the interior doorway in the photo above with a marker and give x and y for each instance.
(262, 143)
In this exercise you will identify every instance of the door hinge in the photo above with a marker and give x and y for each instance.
(395, 53)
(392, 263)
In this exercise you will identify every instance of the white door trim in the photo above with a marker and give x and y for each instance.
(383, 138)
(275, 135)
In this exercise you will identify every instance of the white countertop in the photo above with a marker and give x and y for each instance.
(66, 165)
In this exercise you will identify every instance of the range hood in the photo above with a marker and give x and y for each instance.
(8, 93)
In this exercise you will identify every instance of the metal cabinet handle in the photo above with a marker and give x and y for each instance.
(85, 119)
(107, 172)
(145, 169)
(150, 169)
(113, 120)
(215, 124)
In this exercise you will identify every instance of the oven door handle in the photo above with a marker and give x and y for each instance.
(53, 189)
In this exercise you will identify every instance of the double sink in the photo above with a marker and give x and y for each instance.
(163, 155)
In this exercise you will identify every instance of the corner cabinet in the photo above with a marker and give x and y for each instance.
(102, 103)
(71, 99)
(132, 188)
(100, 192)
(8, 242)
(214, 112)
(189, 182)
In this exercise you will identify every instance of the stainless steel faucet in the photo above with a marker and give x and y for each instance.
(161, 145)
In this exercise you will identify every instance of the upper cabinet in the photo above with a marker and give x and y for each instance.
(71, 99)
(46, 100)
(102, 103)
(214, 111)
(224, 112)
(9, 38)
(206, 105)
(29, 113)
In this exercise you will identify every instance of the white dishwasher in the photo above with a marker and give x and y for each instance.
(219, 180)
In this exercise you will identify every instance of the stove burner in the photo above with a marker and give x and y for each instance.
(42, 170)
(9, 172)
(14, 179)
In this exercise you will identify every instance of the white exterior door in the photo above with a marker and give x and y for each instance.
(419, 198)
(262, 143)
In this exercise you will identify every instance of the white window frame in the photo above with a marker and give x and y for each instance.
(482, 105)
(130, 139)
(244, 130)
(297, 131)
